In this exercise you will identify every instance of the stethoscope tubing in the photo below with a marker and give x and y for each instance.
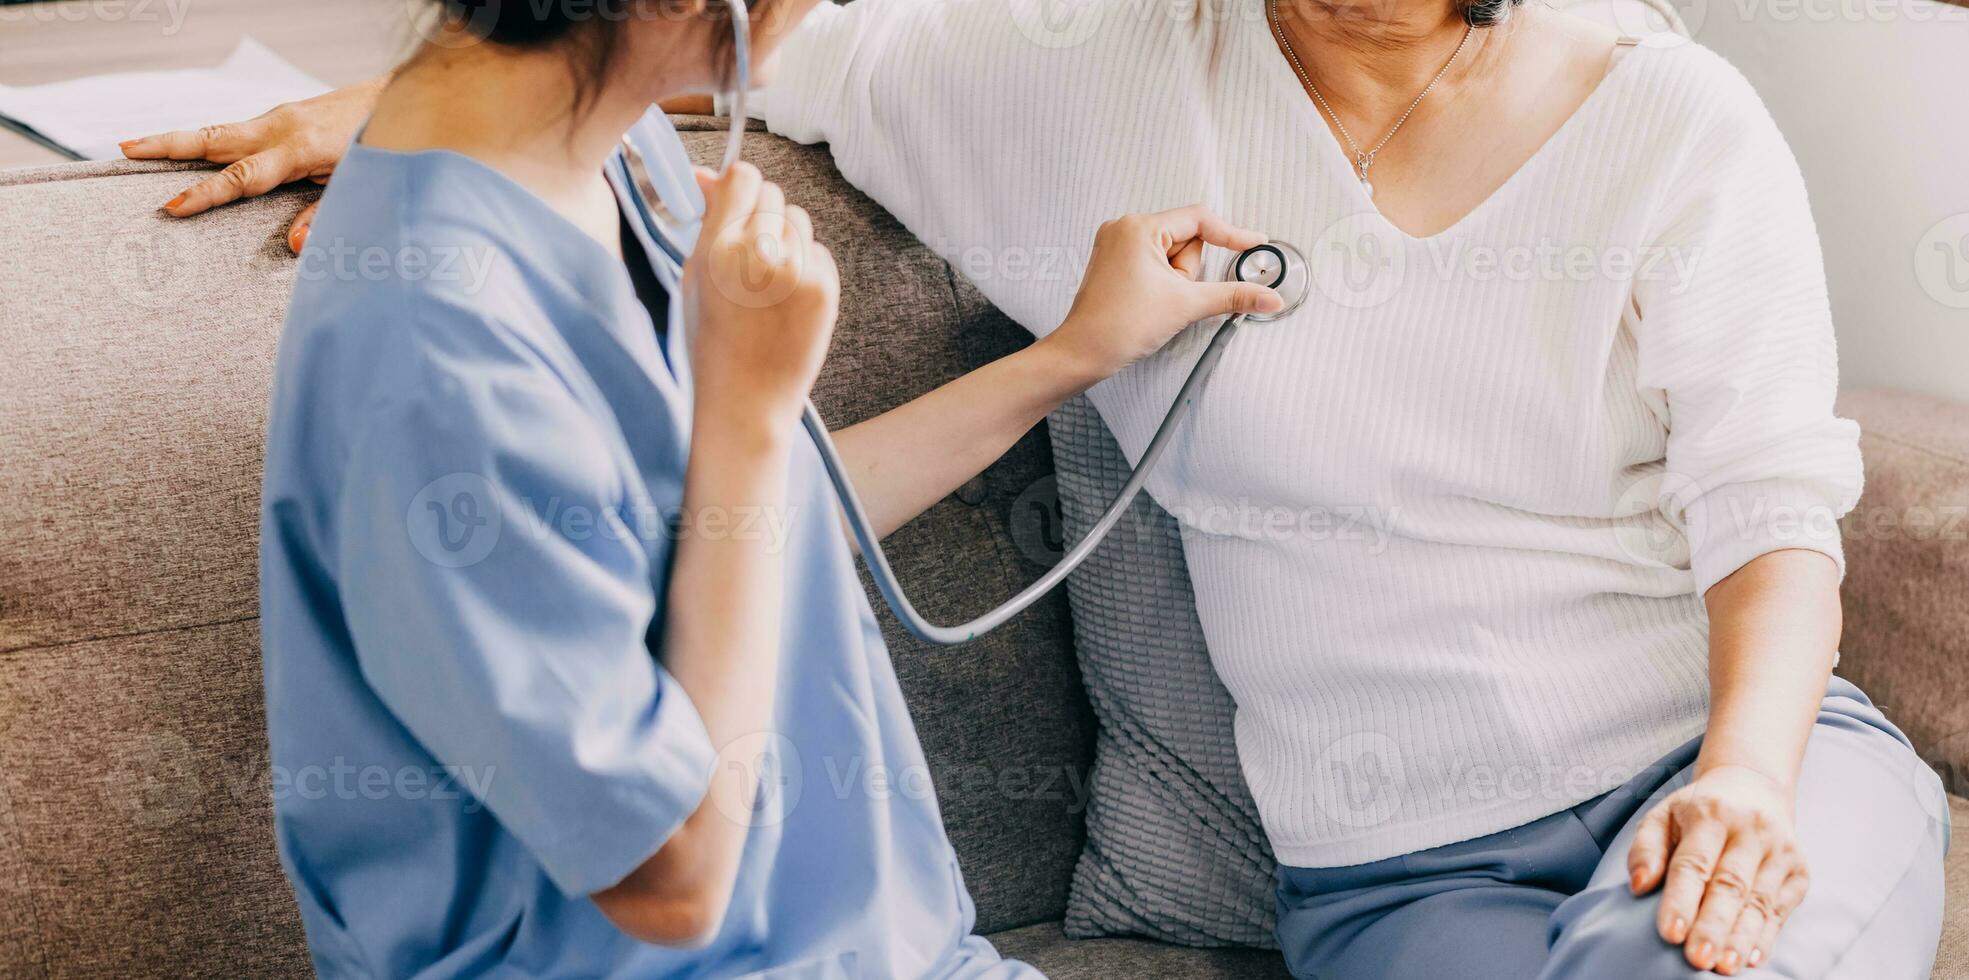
(885, 577)
(655, 215)
(741, 81)
(863, 529)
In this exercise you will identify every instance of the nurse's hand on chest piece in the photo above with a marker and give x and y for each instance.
(760, 298)
(1144, 284)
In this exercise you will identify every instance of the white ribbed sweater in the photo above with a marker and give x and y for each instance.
(1449, 523)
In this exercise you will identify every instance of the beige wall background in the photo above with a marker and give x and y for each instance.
(1873, 94)
(1874, 97)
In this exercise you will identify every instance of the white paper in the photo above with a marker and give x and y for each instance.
(92, 115)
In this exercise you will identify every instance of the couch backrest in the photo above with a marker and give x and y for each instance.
(135, 352)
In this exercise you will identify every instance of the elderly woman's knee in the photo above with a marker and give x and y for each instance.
(1610, 932)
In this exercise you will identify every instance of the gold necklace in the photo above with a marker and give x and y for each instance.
(1363, 159)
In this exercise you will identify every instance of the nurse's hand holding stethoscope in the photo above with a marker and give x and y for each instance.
(760, 298)
(762, 295)
(1144, 283)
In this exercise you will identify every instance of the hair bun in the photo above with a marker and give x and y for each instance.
(516, 21)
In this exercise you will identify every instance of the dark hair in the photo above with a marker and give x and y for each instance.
(1488, 13)
(584, 27)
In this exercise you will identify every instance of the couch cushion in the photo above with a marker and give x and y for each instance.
(138, 352)
(1907, 571)
(1174, 847)
(1047, 947)
(136, 769)
(134, 816)
(1952, 959)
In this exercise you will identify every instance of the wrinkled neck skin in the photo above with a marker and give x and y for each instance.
(1370, 58)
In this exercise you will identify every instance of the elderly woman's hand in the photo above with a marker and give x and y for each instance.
(1729, 852)
(290, 142)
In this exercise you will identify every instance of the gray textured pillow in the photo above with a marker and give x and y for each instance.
(1174, 850)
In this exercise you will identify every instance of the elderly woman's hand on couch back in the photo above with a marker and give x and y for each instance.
(293, 141)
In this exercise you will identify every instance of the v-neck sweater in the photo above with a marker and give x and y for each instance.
(1450, 523)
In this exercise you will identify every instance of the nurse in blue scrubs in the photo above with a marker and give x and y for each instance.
(565, 649)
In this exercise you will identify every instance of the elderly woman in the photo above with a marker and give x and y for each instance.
(1570, 714)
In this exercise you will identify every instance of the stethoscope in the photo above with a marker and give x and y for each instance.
(1274, 264)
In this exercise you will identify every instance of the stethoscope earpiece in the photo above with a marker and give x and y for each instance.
(1277, 266)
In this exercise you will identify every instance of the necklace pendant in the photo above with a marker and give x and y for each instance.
(1362, 161)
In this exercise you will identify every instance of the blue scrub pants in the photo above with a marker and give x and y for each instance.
(1550, 899)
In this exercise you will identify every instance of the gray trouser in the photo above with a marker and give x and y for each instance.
(1550, 899)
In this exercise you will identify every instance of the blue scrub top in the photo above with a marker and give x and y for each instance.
(473, 478)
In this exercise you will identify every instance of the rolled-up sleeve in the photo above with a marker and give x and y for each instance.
(1739, 341)
(499, 595)
(808, 96)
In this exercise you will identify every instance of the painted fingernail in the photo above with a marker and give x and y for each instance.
(297, 237)
(1634, 880)
(126, 144)
(1756, 957)
(172, 204)
(1706, 952)
(1729, 962)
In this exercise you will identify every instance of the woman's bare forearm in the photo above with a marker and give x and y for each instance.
(910, 457)
(688, 105)
(1773, 632)
(721, 636)
(1141, 287)
(721, 641)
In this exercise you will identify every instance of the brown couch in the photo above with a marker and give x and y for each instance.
(134, 798)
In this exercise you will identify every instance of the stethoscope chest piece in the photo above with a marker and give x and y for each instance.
(1275, 265)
